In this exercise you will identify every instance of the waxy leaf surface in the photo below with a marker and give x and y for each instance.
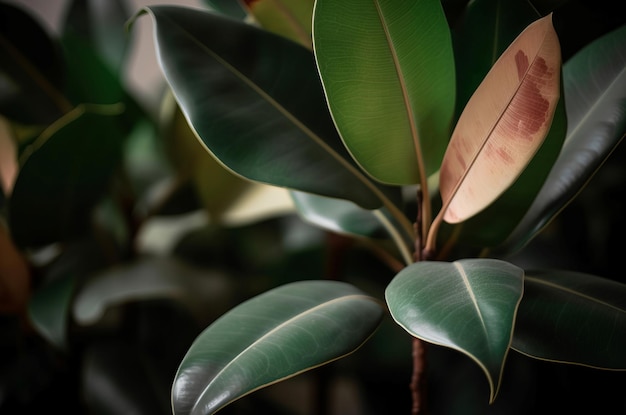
(595, 99)
(388, 72)
(503, 124)
(256, 102)
(273, 336)
(574, 318)
(484, 31)
(467, 305)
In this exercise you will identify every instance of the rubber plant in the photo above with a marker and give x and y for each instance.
(355, 104)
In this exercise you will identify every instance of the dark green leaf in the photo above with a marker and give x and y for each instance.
(467, 305)
(49, 309)
(101, 25)
(338, 215)
(32, 71)
(276, 335)
(236, 86)
(388, 73)
(595, 100)
(201, 291)
(69, 168)
(572, 317)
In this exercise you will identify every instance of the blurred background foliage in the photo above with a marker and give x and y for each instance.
(121, 239)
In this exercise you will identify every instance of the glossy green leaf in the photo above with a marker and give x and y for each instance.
(235, 84)
(200, 291)
(63, 176)
(467, 305)
(101, 25)
(276, 335)
(595, 99)
(292, 19)
(32, 71)
(49, 309)
(485, 30)
(338, 215)
(344, 217)
(388, 72)
(574, 318)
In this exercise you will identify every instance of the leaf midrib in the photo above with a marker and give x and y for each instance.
(269, 334)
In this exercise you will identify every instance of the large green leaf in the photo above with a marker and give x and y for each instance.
(388, 72)
(255, 101)
(595, 100)
(572, 317)
(65, 172)
(31, 69)
(467, 305)
(273, 336)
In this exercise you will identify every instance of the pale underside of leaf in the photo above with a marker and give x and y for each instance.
(503, 124)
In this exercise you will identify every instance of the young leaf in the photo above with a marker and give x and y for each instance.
(271, 337)
(255, 101)
(484, 31)
(467, 305)
(503, 124)
(388, 72)
(595, 98)
(574, 318)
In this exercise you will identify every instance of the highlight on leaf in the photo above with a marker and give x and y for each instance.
(504, 123)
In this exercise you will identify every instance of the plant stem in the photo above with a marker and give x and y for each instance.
(418, 385)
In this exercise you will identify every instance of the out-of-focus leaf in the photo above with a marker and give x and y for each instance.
(504, 123)
(485, 30)
(232, 8)
(467, 305)
(101, 25)
(49, 309)
(8, 159)
(149, 278)
(595, 100)
(217, 187)
(388, 72)
(292, 19)
(276, 335)
(235, 84)
(64, 175)
(32, 71)
(574, 318)
(15, 279)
